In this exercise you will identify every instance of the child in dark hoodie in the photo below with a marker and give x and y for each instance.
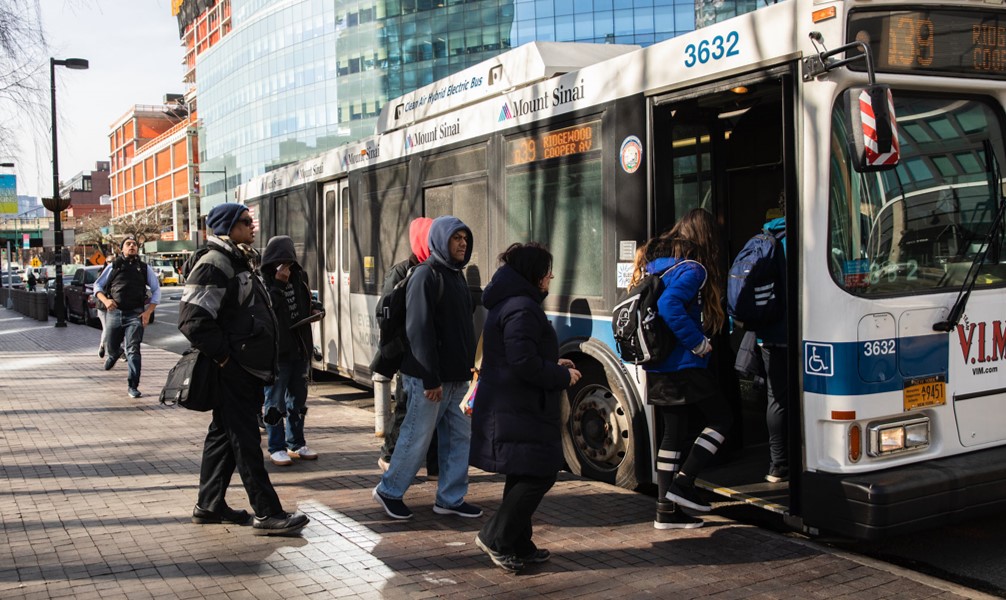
(286, 398)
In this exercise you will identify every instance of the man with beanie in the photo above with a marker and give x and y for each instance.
(122, 290)
(435, 372)
(286, 398)
(226, 314)
(419, 233)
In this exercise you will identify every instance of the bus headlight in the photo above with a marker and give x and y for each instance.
(898, 436)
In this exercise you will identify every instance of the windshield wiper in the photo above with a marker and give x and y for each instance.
(995, 187)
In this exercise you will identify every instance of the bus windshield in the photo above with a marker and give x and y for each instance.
(917, 228)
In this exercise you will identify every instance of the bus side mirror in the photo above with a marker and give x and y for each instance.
(872, 128)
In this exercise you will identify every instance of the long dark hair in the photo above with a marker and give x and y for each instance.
(695, 237)
(532, 261)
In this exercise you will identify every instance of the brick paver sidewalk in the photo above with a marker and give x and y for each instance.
(97, 491)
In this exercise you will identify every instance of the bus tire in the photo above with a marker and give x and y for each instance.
(603, 426)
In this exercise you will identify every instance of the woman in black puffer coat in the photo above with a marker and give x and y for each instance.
(516, 427)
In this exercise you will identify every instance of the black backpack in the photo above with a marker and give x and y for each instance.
(391, 325)
(756, 282)
(641, 335)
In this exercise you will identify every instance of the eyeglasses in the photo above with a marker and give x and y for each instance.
(247, 221)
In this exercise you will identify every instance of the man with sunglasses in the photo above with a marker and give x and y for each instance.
(226, 314)
(122, 290)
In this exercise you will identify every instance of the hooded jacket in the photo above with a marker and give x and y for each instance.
(775, 334)
(291, 300)
(678, 306)
(225, 311)
(516, 420)
(439, 325)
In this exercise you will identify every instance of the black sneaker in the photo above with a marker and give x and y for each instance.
(537, 557)
(101, 351)
(201, 516)
(396, 509)
(134, 393)
(282, 524)
(464, 509)
(673, 517)
(111, 360)
(777, 474)
(687, 495)
(507, 562)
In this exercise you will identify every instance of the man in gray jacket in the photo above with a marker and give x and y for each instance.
(435, 373)
(226, 314)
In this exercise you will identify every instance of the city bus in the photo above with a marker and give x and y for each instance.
(892, 195)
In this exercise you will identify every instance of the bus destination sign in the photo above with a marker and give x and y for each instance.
(970, 43)
(543, 145)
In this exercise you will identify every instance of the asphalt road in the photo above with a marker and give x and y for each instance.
(972, 554)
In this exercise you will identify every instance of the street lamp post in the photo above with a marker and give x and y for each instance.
(58, 204)
(8, 165)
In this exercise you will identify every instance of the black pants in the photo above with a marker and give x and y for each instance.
(775, 358)
(699, 388)
(509, 530)
(234, 441)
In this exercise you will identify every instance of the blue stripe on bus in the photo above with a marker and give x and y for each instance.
(854, 368)
(573, 326)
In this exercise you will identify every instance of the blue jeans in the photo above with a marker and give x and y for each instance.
(288, 395)
(126, 324)
(454, 431)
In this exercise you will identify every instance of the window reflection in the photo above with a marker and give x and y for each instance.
(918, 227)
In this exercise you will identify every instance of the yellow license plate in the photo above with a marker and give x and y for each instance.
(921, 392)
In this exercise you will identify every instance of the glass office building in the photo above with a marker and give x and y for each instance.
(296, 77)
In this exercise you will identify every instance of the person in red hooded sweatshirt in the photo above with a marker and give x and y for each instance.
(419, 233)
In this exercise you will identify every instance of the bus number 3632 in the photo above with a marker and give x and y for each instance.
(714, 49)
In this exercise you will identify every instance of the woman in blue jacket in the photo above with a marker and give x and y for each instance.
(516, 427)
(692, 306)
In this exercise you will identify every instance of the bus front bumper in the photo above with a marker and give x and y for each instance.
(904, 499)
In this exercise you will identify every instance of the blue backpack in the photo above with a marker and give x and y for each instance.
(756, 282)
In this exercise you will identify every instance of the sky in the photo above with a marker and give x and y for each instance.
(135, 57)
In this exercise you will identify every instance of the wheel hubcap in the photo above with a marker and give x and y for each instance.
(600, 427)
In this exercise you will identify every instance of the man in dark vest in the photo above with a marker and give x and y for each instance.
(122, 289)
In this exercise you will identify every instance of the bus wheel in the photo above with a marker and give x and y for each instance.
(599, 426)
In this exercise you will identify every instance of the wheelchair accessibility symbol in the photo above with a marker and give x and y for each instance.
(818, 359)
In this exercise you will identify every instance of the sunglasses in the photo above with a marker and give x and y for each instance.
(247, 221)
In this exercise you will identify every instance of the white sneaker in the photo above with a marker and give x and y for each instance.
(304, 453)
(281, 458)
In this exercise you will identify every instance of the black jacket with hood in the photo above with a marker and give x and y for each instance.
(225, 310)
(292, 343)
(516, 421)
(439, 324)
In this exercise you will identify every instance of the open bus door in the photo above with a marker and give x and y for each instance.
(729, 147)
(336, 335)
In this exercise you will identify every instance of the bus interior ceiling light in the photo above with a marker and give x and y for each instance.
(741, 89)
(733, 113)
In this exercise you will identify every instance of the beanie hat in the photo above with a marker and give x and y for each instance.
(223, 216)
(419, 237)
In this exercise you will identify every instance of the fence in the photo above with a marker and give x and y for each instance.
(31, 304)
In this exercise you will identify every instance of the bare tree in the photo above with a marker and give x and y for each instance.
(22, 68)
(146, 225)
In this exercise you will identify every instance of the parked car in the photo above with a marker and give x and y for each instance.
(13, 280)
(79, 295)
(50, 290)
